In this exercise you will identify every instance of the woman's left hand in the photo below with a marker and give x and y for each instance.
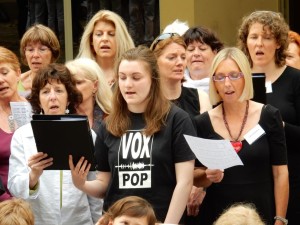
(79, 172)
(196, 197)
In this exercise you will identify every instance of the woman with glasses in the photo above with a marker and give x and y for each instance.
(263, 37)
(257, 135)
(39, 47)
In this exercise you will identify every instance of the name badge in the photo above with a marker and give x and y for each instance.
(268, 87)
(254, 134)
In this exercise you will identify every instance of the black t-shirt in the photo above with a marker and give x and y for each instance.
(145, 166)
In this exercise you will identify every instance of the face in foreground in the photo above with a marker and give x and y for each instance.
(127, 220)
(134, 84)
(54, 98)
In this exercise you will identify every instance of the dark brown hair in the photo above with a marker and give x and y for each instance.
(59, 72)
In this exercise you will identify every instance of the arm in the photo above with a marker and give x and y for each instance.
(281, 190)
(184, 177)
(96, 188)
(204, 101)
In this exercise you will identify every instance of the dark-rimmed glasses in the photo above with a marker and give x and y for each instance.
(162, 37)
(232, 76)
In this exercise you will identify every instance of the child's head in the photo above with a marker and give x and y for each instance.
(16, 212)
(240, 213)
(130, 209)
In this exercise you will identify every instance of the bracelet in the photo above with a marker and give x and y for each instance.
(284, 220)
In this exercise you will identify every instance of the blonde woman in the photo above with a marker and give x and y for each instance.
(105, 39)
(97, 95)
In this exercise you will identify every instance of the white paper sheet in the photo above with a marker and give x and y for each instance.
(214, 154)
(21, 112)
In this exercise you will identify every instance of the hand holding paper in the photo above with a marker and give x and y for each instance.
(214, 154)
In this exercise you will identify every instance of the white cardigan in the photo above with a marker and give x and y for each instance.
(56, 200)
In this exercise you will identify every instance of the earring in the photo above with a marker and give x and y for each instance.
(41, 113)
(67, 111)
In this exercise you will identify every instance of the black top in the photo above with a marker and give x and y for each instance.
(188, 101)
(145, 166)
(252, 182)
(286, 97)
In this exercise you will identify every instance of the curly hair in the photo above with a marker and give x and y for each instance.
(59, 72)
(272, 21)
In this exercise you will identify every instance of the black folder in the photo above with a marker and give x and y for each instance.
(62, 135)
(259, 87)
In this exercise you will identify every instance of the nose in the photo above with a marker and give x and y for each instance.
(104, 36)
(36, 53)
(52, 95)
(259, 41)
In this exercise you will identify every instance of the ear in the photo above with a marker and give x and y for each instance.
(18, 74)
(111, 222)
(95, 88)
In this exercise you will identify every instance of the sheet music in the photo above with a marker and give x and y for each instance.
(21, 112)
(214, 154)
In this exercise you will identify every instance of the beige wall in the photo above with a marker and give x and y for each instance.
(223, 16)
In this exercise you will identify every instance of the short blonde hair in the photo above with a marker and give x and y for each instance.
(43, 34)
(123, 38)
(89, 69)
(16, 212)
(240, 214)
(242, 61)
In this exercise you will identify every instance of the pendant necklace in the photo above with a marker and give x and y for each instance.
(236, 144)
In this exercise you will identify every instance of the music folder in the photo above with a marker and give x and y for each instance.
(62, 135)
(259, 87)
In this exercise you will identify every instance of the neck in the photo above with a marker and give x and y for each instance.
(172, 90)
(244, 118)
(198, 74)
(272, 71)
(87, 108)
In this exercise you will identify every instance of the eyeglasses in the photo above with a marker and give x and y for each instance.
(161, 37)
(232, 76)
(41, 50)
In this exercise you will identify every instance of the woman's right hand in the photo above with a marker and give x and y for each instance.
(79, 172)
(214, 175)
(37, 164)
